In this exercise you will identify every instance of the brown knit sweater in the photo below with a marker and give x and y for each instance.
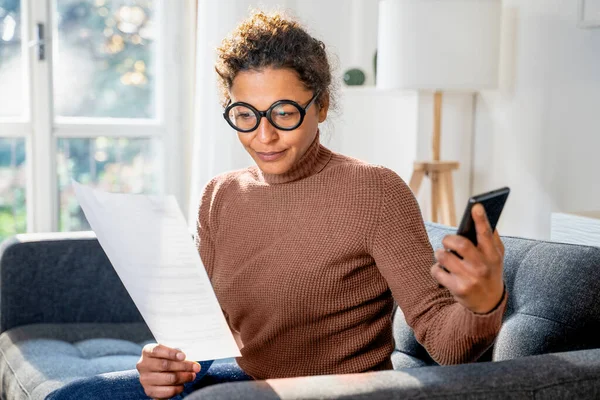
(305, 265)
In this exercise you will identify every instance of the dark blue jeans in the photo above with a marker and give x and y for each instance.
(125, 385)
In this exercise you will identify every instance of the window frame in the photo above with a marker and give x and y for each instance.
(41, 130)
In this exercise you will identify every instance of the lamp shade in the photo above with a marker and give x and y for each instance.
(438, 44)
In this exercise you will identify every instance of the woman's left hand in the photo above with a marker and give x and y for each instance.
(475, 281)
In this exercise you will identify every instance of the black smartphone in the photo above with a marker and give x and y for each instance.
(493, 202)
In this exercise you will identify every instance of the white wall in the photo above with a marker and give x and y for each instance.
(539, 134)
(377, 127)
(347, 27)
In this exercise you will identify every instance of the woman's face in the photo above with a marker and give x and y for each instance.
(276, 151)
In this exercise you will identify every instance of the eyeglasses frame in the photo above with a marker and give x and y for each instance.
(267, 113)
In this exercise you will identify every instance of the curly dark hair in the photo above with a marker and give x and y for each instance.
(273, 40)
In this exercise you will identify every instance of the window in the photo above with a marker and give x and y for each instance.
(84, 96)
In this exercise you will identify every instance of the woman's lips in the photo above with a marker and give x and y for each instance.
(270, 156)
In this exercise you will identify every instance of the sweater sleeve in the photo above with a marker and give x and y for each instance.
(203, 237)
(400, 246)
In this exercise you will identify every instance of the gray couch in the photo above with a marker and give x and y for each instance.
(64, 315)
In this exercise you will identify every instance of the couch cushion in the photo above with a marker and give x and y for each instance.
(38, 359)
(552, 304)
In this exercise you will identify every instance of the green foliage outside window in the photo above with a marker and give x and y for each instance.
(13, 214)
(111, 45)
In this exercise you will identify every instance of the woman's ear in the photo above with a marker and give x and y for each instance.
(324, 107)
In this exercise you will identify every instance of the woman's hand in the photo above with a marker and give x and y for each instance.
(475, 281)
(164, 370)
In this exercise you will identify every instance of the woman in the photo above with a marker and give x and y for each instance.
(308, 250)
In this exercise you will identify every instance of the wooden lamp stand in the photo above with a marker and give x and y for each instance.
(440, 174)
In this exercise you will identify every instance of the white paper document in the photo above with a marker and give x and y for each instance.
(148, 243)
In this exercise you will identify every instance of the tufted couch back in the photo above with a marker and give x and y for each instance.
(32, 266)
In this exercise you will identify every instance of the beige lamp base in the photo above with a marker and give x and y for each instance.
(442, 188)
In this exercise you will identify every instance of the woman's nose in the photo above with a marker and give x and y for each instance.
(265, 132)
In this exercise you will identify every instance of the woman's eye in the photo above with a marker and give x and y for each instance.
(285, 113)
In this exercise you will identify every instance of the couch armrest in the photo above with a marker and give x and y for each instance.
(60, 277)
(573, 375)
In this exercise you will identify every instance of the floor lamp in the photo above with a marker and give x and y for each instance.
(438, 46)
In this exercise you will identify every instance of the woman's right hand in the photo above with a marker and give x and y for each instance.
(164, 370)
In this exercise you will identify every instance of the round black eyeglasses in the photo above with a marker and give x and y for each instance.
(285, 115)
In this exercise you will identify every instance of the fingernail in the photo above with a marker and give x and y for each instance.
(197, 367)
(180, 356)
(479, 210)
(193, 377)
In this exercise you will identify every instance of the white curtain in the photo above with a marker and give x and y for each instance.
(215, 147)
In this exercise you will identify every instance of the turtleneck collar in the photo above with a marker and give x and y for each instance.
(311, 163)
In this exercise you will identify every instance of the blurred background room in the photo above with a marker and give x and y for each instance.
(121, 95)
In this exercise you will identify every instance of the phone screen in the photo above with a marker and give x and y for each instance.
(493, 202)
